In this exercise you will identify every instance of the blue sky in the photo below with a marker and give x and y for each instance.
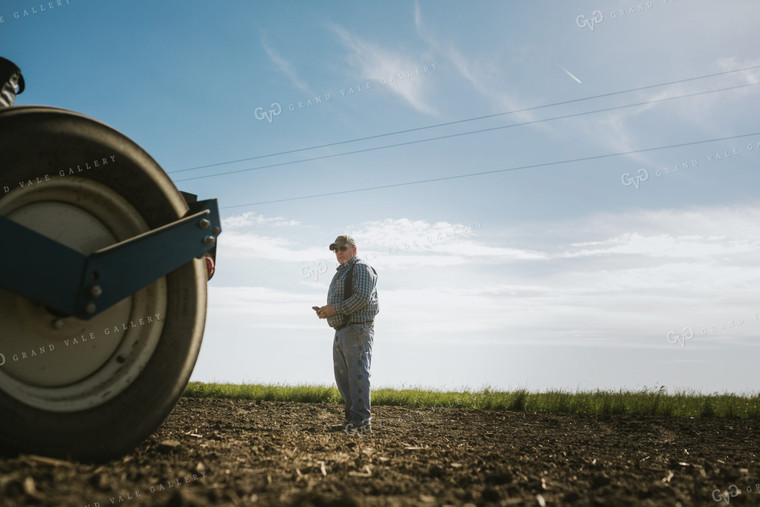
(586, 274)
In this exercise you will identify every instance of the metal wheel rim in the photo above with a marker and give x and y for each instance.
(66, 379)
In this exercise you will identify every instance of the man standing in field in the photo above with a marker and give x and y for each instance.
(351, 309)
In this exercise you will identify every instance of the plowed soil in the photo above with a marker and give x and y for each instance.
(232, 452)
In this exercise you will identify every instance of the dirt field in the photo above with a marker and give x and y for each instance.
(224, 452)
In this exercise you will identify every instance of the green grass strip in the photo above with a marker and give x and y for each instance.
(645, 402)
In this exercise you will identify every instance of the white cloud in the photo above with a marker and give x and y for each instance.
(620, 130)
(663, 245)
(605, 290)
(751, 76)
(242, 244)
(716, 235)
(395, 233)
(245, 237)
(484, 73)
(404, 243)
(391, 242)
(376, 63)
(724, 222)
(250, 218)
(284, 66)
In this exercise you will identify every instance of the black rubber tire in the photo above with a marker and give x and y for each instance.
(37, 140)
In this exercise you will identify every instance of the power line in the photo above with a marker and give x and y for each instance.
(461, 134)
(533, 108)
(482, 173)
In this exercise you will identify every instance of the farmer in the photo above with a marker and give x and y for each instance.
(351, 309)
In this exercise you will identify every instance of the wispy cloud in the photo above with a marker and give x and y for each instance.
(244, 244)
(710, 113)
(255, 236)
(749, 76)
(392, 232)
(376, 63)
(484, 74)
(284, 66)
(664, 245)
(251, 219)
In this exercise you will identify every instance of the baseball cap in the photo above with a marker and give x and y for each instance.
(342, 240)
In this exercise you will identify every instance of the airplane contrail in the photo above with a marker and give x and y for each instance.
(571, 75)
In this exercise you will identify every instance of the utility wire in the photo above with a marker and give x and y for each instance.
(482, 173)
(533, 108)
(460, 134)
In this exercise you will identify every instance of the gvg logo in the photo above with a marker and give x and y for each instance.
(733, 491)
(596, 17)
(618, 13)
(641, 175)
(269, 115)
(314, 270)
(726, 496)
(682, 337)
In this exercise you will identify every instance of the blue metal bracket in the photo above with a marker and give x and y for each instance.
(39, 268)
(64, 280)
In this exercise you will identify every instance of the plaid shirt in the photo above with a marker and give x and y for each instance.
(362, 305)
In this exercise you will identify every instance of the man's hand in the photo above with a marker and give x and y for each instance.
(325, 311)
